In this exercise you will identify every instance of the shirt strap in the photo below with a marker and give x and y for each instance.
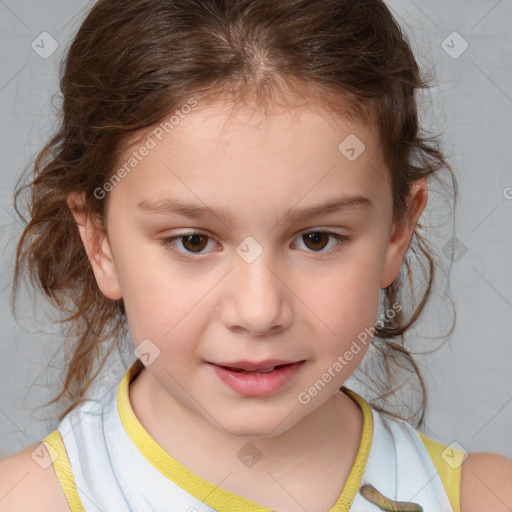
(62, 466)
(448, 462)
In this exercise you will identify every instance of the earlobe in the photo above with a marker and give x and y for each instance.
(97, 247)
(402, 232)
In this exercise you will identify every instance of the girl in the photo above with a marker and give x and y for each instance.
(238, 184)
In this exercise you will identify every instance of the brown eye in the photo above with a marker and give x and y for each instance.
(188, 244)
(194, 243)
(323, 242)
(316, 240)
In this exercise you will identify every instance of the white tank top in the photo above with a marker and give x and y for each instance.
(106, 461)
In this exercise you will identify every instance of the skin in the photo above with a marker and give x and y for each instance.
(294, 302)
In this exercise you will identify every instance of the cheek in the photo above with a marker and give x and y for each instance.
(345, 308)
(159, 309)
(148, 287)
(164, 303)
(169, 320)
(348, 295)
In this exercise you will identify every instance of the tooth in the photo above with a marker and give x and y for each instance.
(264, 370)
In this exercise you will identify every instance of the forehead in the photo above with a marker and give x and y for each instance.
(283, 151)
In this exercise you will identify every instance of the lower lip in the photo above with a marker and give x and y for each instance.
(257, 384)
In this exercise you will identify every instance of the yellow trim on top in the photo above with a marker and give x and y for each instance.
(355, 477)
(213, 495)
(448, 462)
(59, 455)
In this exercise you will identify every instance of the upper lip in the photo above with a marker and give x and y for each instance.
(255, 365)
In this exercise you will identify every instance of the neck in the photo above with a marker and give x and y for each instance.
(324, 443)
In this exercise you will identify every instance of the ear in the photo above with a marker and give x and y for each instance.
(402, 232)
(97, 247)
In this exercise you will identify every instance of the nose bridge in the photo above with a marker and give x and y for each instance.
(258, 299)
(256, 279)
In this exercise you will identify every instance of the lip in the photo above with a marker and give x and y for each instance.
(254, 365)
(257, 384)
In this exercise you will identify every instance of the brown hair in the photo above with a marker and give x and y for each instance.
(133, 62)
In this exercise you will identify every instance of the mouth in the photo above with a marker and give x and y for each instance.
(264, 366)
(252, 379)
(262, 370)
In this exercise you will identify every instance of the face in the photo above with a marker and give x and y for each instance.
(258, 269)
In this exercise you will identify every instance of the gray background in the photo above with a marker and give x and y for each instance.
(469, 379)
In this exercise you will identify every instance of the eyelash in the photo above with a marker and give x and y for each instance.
(342, 240)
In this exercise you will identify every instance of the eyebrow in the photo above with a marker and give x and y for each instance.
(199, 211)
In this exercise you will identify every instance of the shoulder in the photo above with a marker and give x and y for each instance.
(28, 485)
(486, 483)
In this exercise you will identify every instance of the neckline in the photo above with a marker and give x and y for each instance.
(213, 495)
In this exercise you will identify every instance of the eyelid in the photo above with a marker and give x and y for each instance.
(170, 242)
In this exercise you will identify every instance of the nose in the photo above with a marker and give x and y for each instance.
(257, 300)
